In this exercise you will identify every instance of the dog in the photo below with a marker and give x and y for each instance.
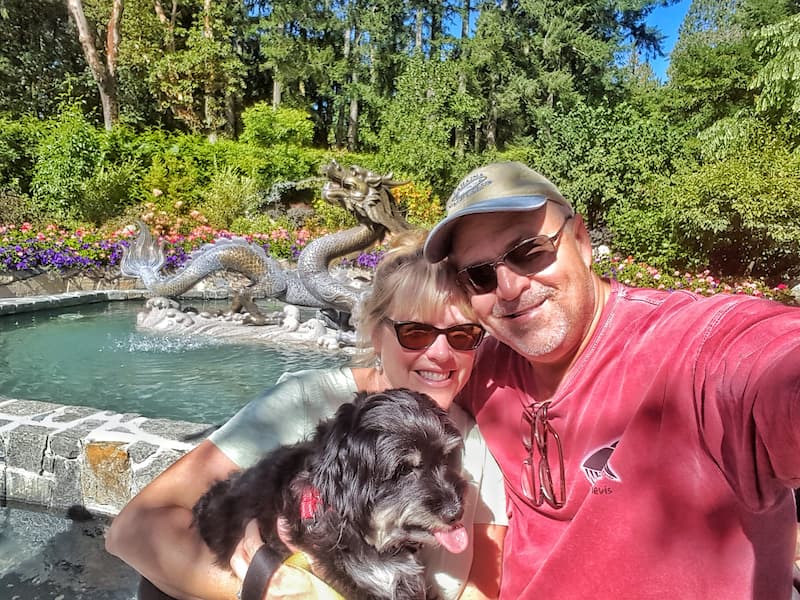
(374, 483)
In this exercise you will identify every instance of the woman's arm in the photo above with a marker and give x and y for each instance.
(153, 532)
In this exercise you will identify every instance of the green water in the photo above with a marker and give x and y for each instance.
(93, 356)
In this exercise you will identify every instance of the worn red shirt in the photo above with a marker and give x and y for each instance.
(680, 427)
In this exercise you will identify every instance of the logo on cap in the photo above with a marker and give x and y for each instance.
(470, 185)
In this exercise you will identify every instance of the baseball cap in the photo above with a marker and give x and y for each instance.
(496, 187)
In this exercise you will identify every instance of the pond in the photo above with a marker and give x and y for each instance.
(93, 355)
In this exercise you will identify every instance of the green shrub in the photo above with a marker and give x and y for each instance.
(330, 217)
(265, 126)
(108, 193)
(736, 216)
(252, 224)
(66, 158)
(227, 197)
(420, 206)
(18, 140)
(17, 208)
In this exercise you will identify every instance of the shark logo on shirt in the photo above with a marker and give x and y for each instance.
(596, 466)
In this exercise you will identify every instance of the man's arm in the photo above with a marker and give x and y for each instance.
(487, 563)
(153, 532)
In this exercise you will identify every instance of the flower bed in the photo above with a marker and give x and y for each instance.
(54, 249)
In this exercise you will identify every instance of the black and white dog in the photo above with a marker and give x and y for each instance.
(374, 483)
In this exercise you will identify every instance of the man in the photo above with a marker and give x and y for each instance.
(649, 440)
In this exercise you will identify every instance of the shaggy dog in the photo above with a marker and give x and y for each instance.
(374, 483)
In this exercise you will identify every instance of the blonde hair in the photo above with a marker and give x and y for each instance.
(404, 279)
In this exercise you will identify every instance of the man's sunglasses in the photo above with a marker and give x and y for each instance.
(526, 258)
(418, 336)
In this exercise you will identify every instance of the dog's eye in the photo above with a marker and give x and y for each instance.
(406, 468)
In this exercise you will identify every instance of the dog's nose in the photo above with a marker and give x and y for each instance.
(452, 513)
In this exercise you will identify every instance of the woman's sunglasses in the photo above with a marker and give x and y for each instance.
(418, 336)
(526, 258)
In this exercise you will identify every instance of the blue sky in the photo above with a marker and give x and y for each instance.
(668, 20)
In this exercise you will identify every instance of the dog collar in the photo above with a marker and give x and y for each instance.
(310, 501)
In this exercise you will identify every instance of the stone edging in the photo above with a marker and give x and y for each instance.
(58, 456)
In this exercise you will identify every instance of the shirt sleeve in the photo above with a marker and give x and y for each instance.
(284, 414)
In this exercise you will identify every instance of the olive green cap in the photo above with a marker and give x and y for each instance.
(496, 187)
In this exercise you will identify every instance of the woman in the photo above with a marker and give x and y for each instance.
(415, 332)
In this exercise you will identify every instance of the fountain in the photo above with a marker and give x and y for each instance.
(334, 292)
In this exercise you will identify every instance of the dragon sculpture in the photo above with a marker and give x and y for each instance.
(365, 194)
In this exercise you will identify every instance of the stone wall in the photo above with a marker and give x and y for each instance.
(59, 456)
(22, 284)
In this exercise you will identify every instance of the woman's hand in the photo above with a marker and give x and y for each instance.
(286, 583)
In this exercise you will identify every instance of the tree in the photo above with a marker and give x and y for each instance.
(104, 72)
(41, 64)
(778, 79)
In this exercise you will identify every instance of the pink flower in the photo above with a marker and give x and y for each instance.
(25, 226)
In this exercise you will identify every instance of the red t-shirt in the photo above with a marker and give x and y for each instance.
(680, 428)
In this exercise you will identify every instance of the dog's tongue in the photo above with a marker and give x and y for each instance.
(455, 539)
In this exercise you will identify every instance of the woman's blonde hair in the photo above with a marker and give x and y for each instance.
(405, 280)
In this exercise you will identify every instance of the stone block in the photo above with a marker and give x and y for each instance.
(182, 431)
(25, 447)
(144, 475)
(73, 413)
(29, 408)
(139, 451)
(69, 442)
(67, 483)
(24, 486)
(105, 474)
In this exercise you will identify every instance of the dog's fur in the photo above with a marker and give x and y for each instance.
(387, 468)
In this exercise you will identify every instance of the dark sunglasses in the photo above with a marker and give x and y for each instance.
(526, 258)
(418, 336)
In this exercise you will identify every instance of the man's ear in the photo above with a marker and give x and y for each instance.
(582, 239)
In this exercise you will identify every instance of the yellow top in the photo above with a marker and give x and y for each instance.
(316, 589)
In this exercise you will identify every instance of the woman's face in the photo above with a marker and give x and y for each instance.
(438, 370)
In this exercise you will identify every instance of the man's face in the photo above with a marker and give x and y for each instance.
(543, 316)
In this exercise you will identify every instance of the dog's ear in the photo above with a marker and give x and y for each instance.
(347, 470)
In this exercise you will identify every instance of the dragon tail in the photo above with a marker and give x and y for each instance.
(144, 257)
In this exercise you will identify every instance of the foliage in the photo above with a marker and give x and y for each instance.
(330, 217)
(599, 156)
(266, 126)
(18, 141)
(639, 274)
(41, 64)
(778, 79)
(66, 157)
(418, 122)
(107, 193)
(420, 205)
(737, 215)
(227, 197)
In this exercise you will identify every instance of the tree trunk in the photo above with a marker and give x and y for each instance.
(168, 23)
(208, 100)
(276, 91)
(460, 137)
(104, 73)
(420, 22)
(352, 121)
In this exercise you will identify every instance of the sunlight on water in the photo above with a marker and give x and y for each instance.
(94, 356)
